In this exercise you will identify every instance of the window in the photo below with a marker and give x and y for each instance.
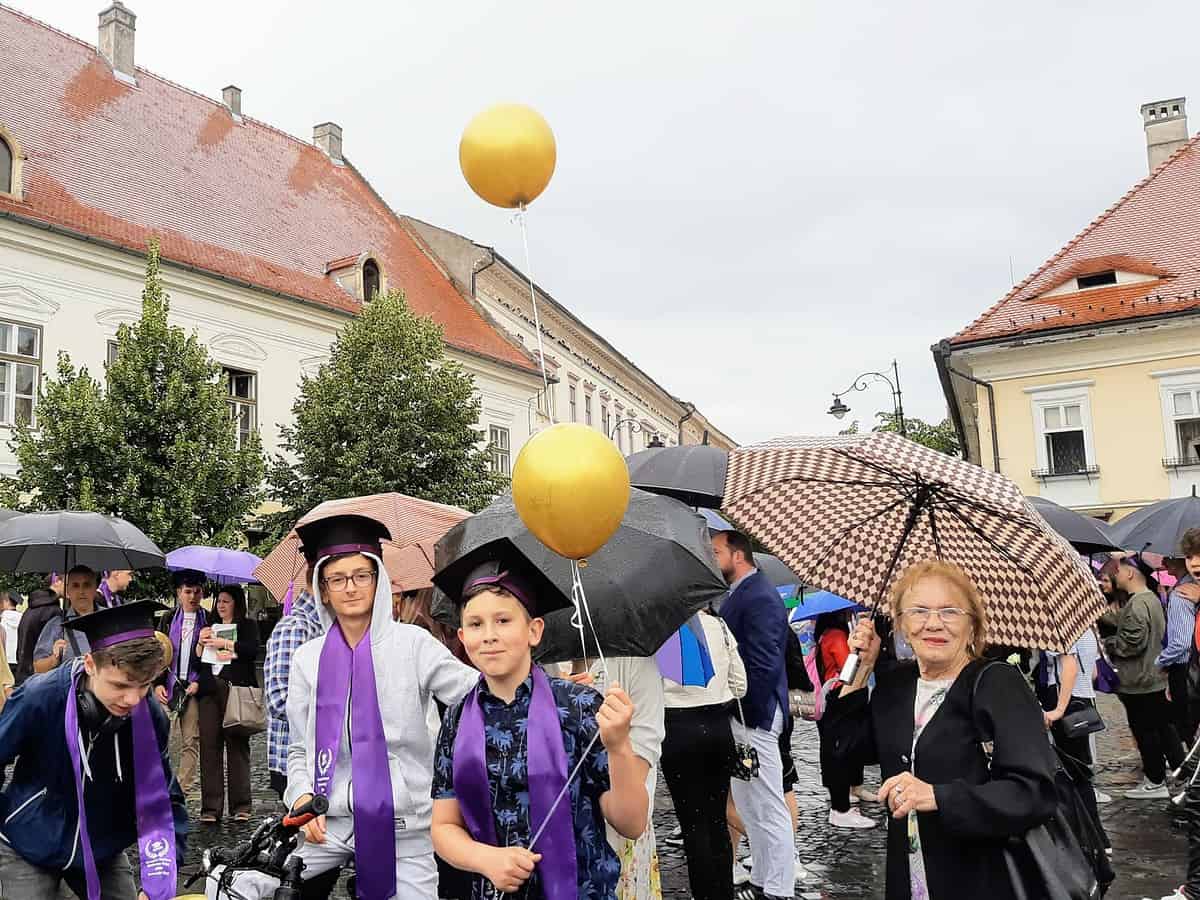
(604, 419)
(498, 441)
(1185, 422)
(243, 403)
(1097, 280)
(621, 438)
(1066, 451)
(572, 402)
(370, 276)
(20, 370)
(587, 409)
(111, 355)
(6, 167)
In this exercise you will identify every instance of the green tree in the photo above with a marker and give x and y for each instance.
(387, 412)
(941, 437)
(156, 446)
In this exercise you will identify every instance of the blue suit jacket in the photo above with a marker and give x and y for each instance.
(757, 618)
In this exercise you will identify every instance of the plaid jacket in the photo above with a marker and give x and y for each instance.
(299, 628)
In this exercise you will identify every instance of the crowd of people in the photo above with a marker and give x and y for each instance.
(454, 766)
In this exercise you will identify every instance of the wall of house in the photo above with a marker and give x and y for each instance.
(78, 293)
(1124, 382)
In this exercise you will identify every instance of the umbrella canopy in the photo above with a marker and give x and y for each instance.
(220, 564)
(409, 520)
(411, 567)
(651, 576)
(776, 571)
(1084, 533)
(685, 658)
(1158, 527)
(714, 521)
(693, 473)
(850, 513)
(820, 603)
(58, 541)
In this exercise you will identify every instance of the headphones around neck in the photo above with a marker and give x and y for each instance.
(93, 715)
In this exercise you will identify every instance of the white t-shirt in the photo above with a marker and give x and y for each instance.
(10, 619)
(185, 643)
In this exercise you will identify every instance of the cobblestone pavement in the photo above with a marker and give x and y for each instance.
(1148, 838)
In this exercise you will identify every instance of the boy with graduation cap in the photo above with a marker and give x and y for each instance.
(517, 761)
(92, 775)
(357, 699)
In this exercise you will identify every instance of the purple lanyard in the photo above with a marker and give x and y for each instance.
(349, 674)
(547, 772)
(155, 819)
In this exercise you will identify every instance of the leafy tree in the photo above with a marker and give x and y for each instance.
(388, 412)
(156, 446)
(941, 437)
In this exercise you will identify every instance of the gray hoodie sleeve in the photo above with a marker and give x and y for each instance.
(299, 696)
(441, 673)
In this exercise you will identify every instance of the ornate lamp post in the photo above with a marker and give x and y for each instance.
(861, 382)
(635, 427)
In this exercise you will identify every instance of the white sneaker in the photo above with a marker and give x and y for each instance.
(1177, 894)
(803, 876)
(675, 838)
(849, 819)
(1148, 790)
(1102, 797)
(741, 874)
(864, 794)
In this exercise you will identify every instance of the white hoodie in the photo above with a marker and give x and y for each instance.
(411, 666)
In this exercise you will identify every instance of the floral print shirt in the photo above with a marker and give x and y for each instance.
(504, 734)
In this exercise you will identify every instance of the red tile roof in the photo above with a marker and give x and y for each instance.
(1153, 230)
(245, 201)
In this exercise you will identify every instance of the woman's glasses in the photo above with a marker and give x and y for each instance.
(950, 616)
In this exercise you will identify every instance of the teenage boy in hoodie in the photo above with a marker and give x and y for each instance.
(357, 697)
(505, 753)
(92, 775)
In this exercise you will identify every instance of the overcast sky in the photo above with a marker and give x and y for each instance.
(754, 201)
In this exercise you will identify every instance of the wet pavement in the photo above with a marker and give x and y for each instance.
(1149, 842)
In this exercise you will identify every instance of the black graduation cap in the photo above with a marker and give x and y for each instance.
(117, 624)
(342, 534)
(501, 563)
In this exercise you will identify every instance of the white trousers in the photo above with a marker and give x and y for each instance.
(416, 876)
(760, 803)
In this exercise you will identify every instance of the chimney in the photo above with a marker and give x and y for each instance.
(1165, 122)
(232, 97)
(116, 40)
(328, 137)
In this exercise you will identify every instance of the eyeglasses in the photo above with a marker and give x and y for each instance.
(950, 616)
(339, 583)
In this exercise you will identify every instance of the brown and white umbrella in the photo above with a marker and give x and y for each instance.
(415, 526)
(850, 513)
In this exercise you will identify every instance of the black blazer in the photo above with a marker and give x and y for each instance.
(977, 809)
(240, 672)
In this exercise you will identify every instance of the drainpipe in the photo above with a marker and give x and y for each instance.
(941, 354)
(691, 411)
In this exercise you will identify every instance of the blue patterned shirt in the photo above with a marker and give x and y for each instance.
(1181, 629)
(287, 637)
(504, 731)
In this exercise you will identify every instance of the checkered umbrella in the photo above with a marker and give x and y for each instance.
(850, 513)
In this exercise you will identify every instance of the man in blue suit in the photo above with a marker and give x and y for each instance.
(758, 620)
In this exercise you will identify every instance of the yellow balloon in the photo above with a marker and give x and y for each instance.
(571, 487)
(507, 155)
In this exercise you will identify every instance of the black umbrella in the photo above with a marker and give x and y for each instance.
(694, 474)
(650, 578)
(1158, 527)
(57, 541)
(776, 571)
(1086, 534)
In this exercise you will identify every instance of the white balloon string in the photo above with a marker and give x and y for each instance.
(520, 216)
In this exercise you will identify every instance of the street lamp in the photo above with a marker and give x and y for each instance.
(861, 382)
(635, 427)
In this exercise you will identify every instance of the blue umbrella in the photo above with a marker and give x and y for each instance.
(684, 658)
(715, 522)
(822, 602)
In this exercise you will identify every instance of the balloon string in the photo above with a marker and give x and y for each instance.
(579, 596)
(537, 320)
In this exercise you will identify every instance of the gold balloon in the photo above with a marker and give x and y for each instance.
(571, 487)
(507, 155)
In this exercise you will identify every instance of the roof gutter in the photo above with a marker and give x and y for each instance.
(941, 357)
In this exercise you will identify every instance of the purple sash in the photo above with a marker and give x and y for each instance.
(110, 599)
(176, 639)
(547, 772)
(155, 818)
(345, 673)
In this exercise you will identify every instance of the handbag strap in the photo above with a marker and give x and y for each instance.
(729, 667)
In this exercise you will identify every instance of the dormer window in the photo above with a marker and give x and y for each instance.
(6, 167)
(370, 280)
(1099, 279)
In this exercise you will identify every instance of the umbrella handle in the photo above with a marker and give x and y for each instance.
(849, 669)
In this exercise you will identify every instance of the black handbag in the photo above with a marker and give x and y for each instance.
(1046, 862)
(1080, 719)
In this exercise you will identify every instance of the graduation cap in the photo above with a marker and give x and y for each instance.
(117, 624)
(342, 534)
(501, 564)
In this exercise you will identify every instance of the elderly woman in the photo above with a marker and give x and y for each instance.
(950, 810)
